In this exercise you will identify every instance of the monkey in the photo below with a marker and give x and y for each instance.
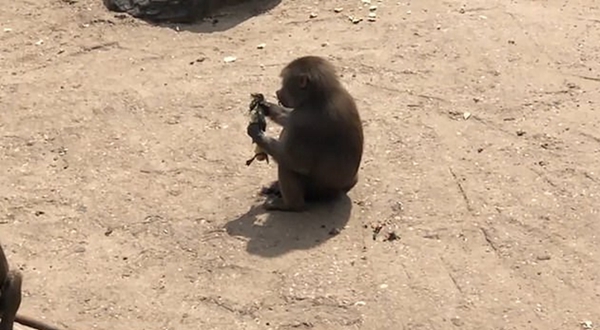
(320, 147)
(10, 299)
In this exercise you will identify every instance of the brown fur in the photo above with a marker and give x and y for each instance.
(320, 147)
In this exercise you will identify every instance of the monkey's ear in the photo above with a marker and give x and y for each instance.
(303, 81)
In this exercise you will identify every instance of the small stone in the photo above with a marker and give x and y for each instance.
(313, 15)
(79, 249)
(372, 17)
(466, 115)
(261, 46)
(587, 325)
(360, 303)
(230, 59)
(457, 321)
(338, 10)
(373, 8)
(391, 236)
(334, 231)
(355, 20)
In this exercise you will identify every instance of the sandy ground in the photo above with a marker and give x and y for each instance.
(125, 200)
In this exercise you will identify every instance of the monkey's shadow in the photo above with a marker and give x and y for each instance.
(282, 232)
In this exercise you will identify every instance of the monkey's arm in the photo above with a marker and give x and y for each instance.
(276, 149)
(3, 268)
(10, 301)
(277, 113)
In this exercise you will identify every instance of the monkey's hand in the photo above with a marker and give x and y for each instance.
(259, 103)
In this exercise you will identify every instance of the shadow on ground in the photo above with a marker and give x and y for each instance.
(283, 232)
(198, 16)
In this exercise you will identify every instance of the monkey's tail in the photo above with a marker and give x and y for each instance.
(33, 323)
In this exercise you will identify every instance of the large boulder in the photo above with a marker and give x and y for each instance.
(169, 10)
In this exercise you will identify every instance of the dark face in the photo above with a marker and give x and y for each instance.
(291, 93)
(284, 98)
(284, 95)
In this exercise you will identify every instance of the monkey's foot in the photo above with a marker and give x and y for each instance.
(278, 204)
(271, 190)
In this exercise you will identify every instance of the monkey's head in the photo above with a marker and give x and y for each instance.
(306, 79)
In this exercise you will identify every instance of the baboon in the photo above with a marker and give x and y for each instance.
(319, 150)
(10, 299)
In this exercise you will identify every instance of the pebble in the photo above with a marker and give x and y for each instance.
(230, 59)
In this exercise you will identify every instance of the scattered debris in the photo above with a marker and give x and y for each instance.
(230, 59)
(543, 257)
(391, 236)
(398, 207)
(587, 325)
(198, 60)
(376, 230)
(354, 20)
(457, 321)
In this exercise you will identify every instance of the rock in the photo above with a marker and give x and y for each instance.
(179, 11)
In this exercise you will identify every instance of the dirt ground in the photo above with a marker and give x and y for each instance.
(126, 202)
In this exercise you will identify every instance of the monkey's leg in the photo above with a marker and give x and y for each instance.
(10, 300)
(292, 190)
